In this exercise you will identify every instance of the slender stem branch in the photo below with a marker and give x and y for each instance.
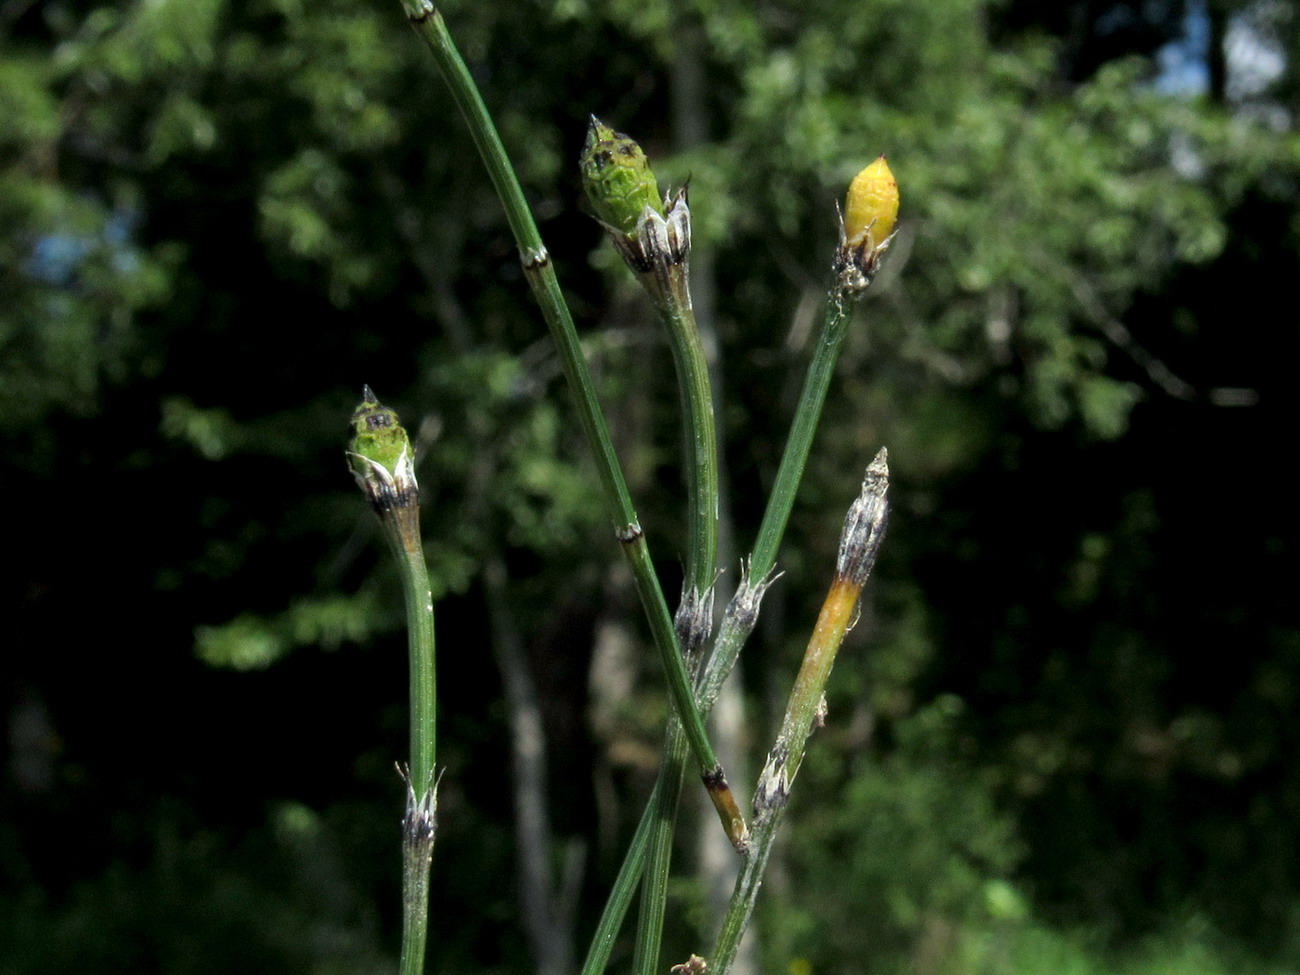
(665, 636)
(744, 895)
(852, 279)
(742, 612)
(864, 530)
(382, 463)
(420, 638)
(839, 310)
(662, 817)
(832, 623)
(417, 856)
(428, 23)
(421, 803)
(736, 626)
(667, 283)
(620, 895)
(872, 204)
(700, 432)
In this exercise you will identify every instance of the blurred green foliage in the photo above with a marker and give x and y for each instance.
(1074, 707)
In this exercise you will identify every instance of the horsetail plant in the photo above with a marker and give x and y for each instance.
(653, 236)
(654, 240)
(383, 464)
(428, 24)
(864, 530)
(870, 213)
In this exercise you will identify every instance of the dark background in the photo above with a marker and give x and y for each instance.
(1062, 737)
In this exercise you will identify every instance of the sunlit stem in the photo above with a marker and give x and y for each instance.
(864, 530)
(742, 612)
(382, 463)
(428, 23)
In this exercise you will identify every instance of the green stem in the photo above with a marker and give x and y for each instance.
(428, 23)
(662, 819)
(382, 462)
(742, 612)
(420, 640)
(839, 310)
(419, 826)
(700, 431)
(668, 283)
(415, 904)
(744, 894)
(736, 626)
(620, 895)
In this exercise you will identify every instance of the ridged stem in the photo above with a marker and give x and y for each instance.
(832, 623)
(700, 431)
(421, 649)
(428, 23)
(864, 530)
(382, 462)
(662, 819)
(668, 284)
(736, 626)
(742, 612)
(418, 834)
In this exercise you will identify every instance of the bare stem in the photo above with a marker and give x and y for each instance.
(428, 23)
(382, 463)
(864, 530)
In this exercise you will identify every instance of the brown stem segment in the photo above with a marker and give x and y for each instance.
(728, 811)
